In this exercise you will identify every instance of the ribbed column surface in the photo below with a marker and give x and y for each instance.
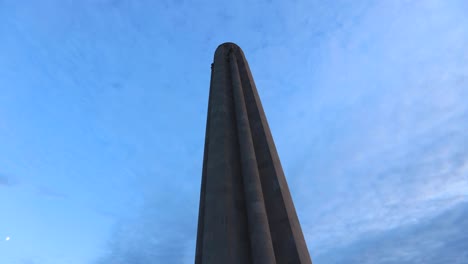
(246, 213)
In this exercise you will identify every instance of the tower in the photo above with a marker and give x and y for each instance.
(246, 213)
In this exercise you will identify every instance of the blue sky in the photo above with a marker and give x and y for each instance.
(103, 109)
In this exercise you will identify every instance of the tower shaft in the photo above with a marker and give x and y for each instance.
(246, 212)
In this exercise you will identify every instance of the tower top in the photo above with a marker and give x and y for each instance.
(226, 47)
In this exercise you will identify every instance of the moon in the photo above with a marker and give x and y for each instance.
(7, 238)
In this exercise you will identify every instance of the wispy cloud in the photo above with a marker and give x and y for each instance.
(382, 124)
(440, 239)
(6, 181)
(50, 193)
(163, 231)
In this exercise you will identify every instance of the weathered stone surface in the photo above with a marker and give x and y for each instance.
(246, 213)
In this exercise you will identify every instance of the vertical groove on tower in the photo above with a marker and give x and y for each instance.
(259, 231)
(282, 216)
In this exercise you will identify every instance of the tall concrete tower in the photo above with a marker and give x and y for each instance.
(246, 213)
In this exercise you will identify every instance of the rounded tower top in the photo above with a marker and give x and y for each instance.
(228, 46)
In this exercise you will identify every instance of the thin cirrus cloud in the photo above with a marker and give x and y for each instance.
(435, 240)
(389, 147)
(4, 181)
(8, 181)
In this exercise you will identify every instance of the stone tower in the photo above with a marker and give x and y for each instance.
(246, 213)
